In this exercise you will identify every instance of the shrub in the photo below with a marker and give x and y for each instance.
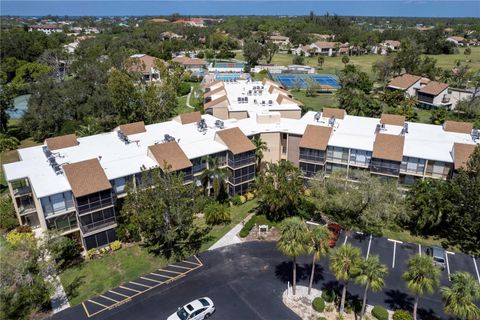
(91, 254)
(24, 229)
(402, 315)
(236, 200)
(318, 304)
(380, 313)
(15, 238)
(328, 295)
(243, 199)
(247, 227)
(249, 196)
(216, 213)
(65, 251)
(8, 218)
(307, 192)
(183, 89)
(116, 245)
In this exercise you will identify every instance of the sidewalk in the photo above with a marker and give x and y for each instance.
(231, 237)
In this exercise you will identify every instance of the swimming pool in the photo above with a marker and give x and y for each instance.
(227, 77)
(301, 81)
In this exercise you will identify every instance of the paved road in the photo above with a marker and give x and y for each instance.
(246, 282)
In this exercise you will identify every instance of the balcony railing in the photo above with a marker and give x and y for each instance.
(93, 206)
(98, 225)
(23, 210)
(383, 170)
(17, 192)
(240, 163)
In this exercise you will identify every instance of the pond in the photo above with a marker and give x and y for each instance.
(21, 105)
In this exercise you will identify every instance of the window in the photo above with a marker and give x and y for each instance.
(310, 169)
(57, 203)
(241, 159)
(199, 164)
(63, 222)
(337, 154)
(242, 175)
(120, 184)
(385, 166)
(100, 239)
(413, 165)
(333, 167)
(94, 201)
(312, 155)
(360, 157)
(97, 219)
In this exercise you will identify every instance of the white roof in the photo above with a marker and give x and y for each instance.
(119, 159)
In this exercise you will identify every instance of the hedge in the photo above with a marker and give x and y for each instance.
(318, 304)
(380, 313)
(402, 315)
(247, 227)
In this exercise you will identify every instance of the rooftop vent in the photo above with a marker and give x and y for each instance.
(52, 161)
(219, 124)
(475, 134)
(317, 116)
(122, 137)
(331, 121)
(168, 138)
(202, 125)
(405, 127)
(378, 128)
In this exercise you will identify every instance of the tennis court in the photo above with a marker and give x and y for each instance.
(302, 80)
(229, 65)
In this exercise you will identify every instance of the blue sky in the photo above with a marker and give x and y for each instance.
(427, 8)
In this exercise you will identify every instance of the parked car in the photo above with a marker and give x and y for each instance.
(335, 230)
(196, 310)
(438, 255)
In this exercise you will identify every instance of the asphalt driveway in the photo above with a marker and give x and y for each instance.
(246, 281)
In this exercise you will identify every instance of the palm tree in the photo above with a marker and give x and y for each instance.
(345, 59)
(345, 263)
(321, 61)
(214, 176)
(421, 276)
(8, 142)
(293, 242)
(260, 146)
(372, 276)
(319, 237)
(460, 298)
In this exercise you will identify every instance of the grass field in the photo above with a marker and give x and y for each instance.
(316, 103)
(333, 65)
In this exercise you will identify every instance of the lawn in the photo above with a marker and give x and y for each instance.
(96, 276)
(316, 103)
(406, 236)
(238, 213)
(182, 101)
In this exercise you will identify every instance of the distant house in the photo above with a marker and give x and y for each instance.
(458, 41)
(192, 64)
(167, 35)
(407, 83)
(281, 41)
(387, 46)
(434, 94)
(145, 65)
(71, 47)
(46, 28)
(318, 48)
(159, 20)
(198, 22)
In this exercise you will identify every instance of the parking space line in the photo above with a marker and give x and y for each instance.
(394, 250)
(105, 297)
(98, 303)
(162, 275)
(346, 238)
(120, 294)
(146, 278)
(85, 309)
(369, 244)
(139, 284)
(175, 266)
(176, 272)
(448, 264)
(126, 288)
(476, 268)
(190, 262)
(419, 249)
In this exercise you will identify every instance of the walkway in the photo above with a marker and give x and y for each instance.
(231, 237)
(188, 98)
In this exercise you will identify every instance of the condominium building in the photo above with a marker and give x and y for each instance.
(77, 185)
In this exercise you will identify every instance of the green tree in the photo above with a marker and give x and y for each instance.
(270, 50)
(216, 213)
(298, 59)
(64, 251)
(372, 276)
(279, 189)
(214, 177)
(321, 61)
(8, 142)
(7, 94)
(260, 147)
(319, 246)
(293, 242)
(421, 277)
(161, 212)
(345, 59)
(407, 58)
(467, 51)
(253, 51)
(124, 96)
(30, 72)
(160, 102)
(8, 217)
(438, 116)
(345, 262)
(460, 298)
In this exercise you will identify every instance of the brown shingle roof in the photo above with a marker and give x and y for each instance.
(171, 154)
(215, 102)
(208, 85)
(325, 44)
(214, 91)
(142, 64)
(236, 141)
(279, 90)
(457, 126)
(404, 81)
(393, 43)
(461, 153)
(434, 88)
(60, 142)
(338, 113)
(316, 137)
(190, 117)
(132, 128)
(86, 177)
(388, 147)
(393, 119)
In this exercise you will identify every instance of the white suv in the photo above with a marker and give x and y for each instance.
(196, 310)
